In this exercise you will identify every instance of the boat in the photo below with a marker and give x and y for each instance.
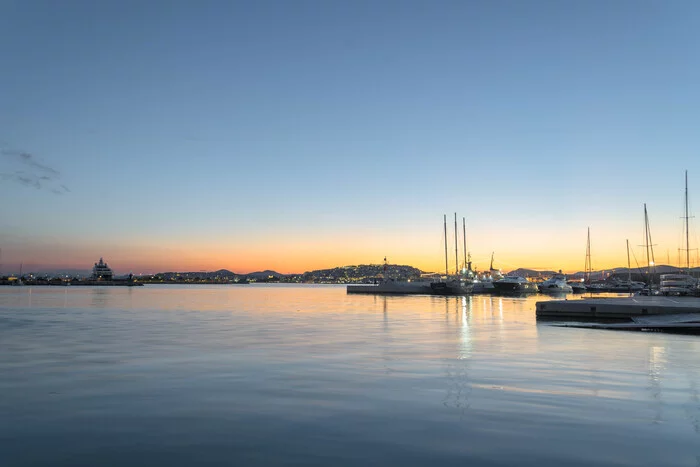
(483, 282)
(681, 283)
(391, 286)
(102, 272)
(556, 285)
(649, 247)
(678, 284)
(457, 284)
(619, 286)
(514, 284)
(19, 278)
(577, 286)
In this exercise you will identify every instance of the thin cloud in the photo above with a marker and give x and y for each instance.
(29, 160)
(30, 172)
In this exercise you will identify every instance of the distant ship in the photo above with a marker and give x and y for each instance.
(102, 272)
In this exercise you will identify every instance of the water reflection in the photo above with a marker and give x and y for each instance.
(655, 365)
(100, 296)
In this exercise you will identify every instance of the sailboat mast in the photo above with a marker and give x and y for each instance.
(464, 238)
(649, 246)
(446, 267)
(629, 270)
(456, 260)
(588, 267)
(687, 244)
(646, 239)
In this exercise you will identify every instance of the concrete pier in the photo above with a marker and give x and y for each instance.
(616, 309)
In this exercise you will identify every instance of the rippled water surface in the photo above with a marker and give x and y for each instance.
(308, 375)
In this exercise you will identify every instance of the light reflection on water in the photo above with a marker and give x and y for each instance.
(285, 374)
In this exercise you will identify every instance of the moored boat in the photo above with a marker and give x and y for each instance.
(678, 284)
(392, 287)
(577, 286)
(556, 285)
(514, 284)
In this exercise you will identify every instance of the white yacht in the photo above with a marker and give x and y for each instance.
(102, 272)
(556, 284)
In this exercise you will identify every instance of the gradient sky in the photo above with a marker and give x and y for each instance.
(295, 135)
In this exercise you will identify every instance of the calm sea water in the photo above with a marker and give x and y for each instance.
(308, 375)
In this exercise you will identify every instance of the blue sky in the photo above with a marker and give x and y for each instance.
(316, 133)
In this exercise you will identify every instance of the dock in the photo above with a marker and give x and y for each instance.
(617, 309)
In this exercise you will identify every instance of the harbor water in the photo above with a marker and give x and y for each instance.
(309, 375)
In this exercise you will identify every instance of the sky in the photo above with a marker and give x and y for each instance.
(297, 135)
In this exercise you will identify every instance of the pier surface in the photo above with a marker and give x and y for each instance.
(622, 308)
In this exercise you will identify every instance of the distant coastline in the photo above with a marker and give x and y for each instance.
(364, 273)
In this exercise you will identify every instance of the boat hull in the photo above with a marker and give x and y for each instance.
(515, 287)
(392, 288)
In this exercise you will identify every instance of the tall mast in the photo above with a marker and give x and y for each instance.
(629, 270)
(588, 267)
(456, 260)
(648, 244)
(687, 245)
(646, 239)
(446, 267)
(464, 238)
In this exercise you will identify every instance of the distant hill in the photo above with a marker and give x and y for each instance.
(346, 274)
(622, 273)
(358, 273)
(266, 274)
(529, 273)
(659, 269)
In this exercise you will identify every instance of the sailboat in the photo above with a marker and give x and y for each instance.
(649, 247)
(452, 285)
(19, 279)
(681, 283)
(628, 285)
(582, 286)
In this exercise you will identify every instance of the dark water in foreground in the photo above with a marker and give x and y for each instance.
(307, 375)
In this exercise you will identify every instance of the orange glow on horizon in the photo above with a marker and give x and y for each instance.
(301, 253)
